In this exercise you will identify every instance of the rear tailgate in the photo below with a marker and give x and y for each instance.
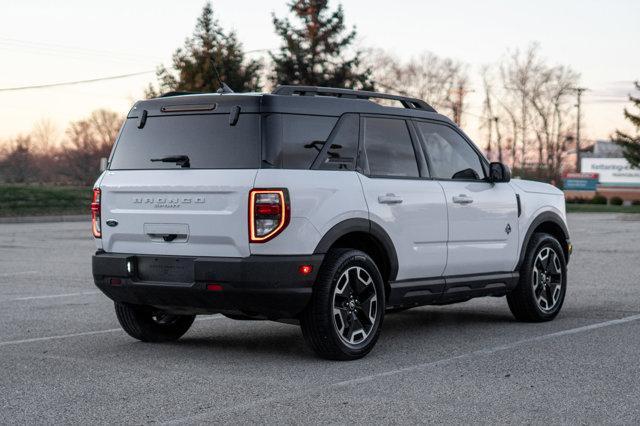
(176, 212)
(179, 177)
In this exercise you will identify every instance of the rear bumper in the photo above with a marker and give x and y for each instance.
(262, 286)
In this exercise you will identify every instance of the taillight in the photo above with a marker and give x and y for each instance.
(268, 213)
(95, 214)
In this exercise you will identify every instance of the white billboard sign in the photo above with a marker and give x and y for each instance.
(612, 171)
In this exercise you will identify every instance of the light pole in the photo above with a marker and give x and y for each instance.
(579, 91)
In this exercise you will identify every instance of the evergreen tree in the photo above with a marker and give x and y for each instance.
(629, 143)
(193, 69)
(314, 52)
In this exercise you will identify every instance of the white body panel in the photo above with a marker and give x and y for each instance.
(432, 235)
(535, 199)
(417, 224)
(319, 200)
(206, 209)
(479, 214)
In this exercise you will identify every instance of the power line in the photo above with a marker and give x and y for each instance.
(61, 48)
(70, 83)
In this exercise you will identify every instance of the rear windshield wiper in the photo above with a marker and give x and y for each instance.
(180, 160)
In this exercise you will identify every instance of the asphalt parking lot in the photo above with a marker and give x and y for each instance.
(64, 359)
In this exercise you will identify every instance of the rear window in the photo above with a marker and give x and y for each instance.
(207, 140)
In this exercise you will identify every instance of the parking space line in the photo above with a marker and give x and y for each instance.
(84, 333)
(410, 368)
(50, 296)
(13, 274)
(60, 336)
(489, 351)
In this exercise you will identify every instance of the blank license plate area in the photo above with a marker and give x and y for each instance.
(165, 269)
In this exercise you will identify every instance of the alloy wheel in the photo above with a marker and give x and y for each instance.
(355, 305)
(547, 279)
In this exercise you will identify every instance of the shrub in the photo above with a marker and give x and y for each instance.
(577, 200)
(635, 203)
(616, 201)
(599, 199)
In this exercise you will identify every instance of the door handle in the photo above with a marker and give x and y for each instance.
(462, 199)
(389, 199)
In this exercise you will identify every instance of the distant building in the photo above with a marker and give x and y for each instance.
(616, 177)
(603, 149)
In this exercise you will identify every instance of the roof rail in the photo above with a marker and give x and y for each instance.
(407, 102)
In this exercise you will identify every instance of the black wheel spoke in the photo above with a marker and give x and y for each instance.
(354, 282)
(350, 328)
(549, 295)
(340, 299)
(367, 294)
(363, 317)
(553, 266)
(344, 317)
(356, 327)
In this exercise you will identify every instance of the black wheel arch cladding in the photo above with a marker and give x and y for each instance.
(552, 224)
(364, 226)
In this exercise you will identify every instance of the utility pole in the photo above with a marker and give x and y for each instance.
(499, 139)
(490, 127)
(579, 91)
(457, 103)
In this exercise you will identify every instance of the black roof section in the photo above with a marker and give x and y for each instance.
(286, 100)
(407, 102)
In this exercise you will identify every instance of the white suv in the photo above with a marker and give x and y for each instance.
(317, 206)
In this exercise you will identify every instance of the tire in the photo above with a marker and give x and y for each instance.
(332, 332)
(149, 325)
(540, 292)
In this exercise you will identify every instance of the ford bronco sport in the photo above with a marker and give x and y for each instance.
(316, 206)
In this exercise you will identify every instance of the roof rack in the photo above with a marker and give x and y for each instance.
(407, 102)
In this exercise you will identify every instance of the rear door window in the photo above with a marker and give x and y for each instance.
(206, 139)
(389, 148)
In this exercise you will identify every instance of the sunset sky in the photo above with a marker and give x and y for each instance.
(47, 42)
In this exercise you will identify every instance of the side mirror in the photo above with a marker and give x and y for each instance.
(499, 172)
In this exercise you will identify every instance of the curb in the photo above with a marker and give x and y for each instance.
(46, 218)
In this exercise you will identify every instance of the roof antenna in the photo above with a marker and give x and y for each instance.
(223, 86)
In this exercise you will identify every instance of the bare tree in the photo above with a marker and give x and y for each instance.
(87, 141)
(38, 157)
(518, 73)
(552, 100)
(45, 136)
(17, 164)
(442, 82)
(530, 102)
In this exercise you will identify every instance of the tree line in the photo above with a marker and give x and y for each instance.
(527, 116)
(39, 158)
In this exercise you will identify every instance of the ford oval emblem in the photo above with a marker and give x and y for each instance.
(112, 222)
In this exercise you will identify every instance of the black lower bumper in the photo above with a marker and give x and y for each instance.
(262, 286)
